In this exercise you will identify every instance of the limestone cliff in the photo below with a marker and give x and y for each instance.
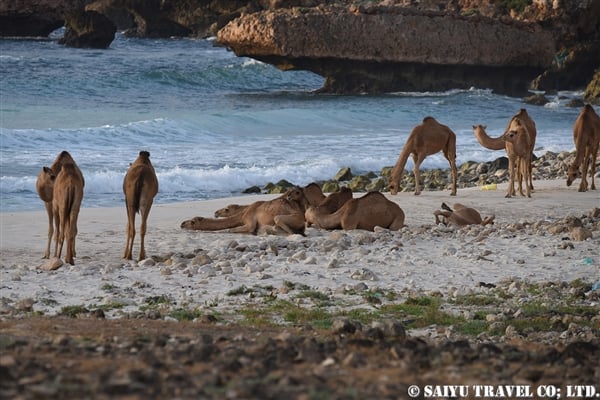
(399, 49)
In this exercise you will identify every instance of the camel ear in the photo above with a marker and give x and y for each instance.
(484, 126)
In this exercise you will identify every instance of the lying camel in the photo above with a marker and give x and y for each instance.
(66, 201)
(366, 212)
(313, 193)
(285, 212)
(426, 139)
(499, 143)
(331, 204)
(517, 143)
(140, 185)
(586, 135)
(460, 216)
(45, 189)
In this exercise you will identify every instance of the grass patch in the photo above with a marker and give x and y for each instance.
(183, 314)
(73, 311)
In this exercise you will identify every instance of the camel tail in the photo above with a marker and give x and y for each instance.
(445, 207)
(137, 194)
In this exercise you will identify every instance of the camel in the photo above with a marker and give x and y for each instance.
(313, 193)
(45, 189)
(499, 143)
(331, 204)
(586, 135)
(366, 212)
(461, 216)
(140, 185)
(426, 139)
(66, 201)
(285, 212)
(517, 143)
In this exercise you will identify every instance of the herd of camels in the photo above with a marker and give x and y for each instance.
(61, 185)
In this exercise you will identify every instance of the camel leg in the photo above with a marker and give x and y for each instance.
(396, 224)
(50, 227)
(454, 176)
(61, 234)
(593, 166)
(583, 186)
(69, 239)
(127, 254)
(526, 164)
(441, 217)
(71, 235)
(511, 177)
(144, 212)
(418, 160)
(521, 173)
(291, 223)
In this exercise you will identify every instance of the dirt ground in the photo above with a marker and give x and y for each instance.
(74, 358)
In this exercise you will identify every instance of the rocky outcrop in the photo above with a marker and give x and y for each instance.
(395, 50)
(33, 18)
(88, 29)
(592, 92)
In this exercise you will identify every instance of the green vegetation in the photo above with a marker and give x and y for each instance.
(517, 5)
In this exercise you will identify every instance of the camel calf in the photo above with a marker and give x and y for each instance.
(140, 186)
(586, 135)
(460, 216)
(45, 189)
(66, 201)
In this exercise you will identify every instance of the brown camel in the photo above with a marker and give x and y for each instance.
(331, 204)
(426, 139)
(45, 189)
(366, 212)
(313, 193)
(66, 201)
(518, 145)
(285, 212)
(586, 135)
(140, 185)
(460, 216)
(500, 143)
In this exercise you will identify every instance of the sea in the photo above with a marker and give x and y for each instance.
(216, 124)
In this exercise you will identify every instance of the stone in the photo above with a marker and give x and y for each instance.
(88, 29)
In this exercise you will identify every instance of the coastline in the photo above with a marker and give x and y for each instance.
(199, 270)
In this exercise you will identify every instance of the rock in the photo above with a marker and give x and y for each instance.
(580, 233)
(377, 51)
(88, 29)
(344, 174)
(33, 18)
(592, 91)
(52, 264)
(536, 100)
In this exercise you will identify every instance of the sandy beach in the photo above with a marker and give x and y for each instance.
(199, 269)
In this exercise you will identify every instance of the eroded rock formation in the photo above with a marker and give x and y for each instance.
(395, 50)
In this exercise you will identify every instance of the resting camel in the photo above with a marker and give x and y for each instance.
(45, 189)
(140, 185)
(285, 212)
(331, 204)
(500, 143)
(586, 135)
(426, 139)
(518, 150)
(460, 216)
(313, 193)
(66, 201)
(366, 212)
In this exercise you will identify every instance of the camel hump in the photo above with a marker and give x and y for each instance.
(69, 166)
(144, 154)
(429, 118)
(64, 153)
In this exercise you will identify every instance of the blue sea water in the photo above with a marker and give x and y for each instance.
(215, 123)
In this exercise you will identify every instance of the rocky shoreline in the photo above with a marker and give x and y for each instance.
(549, 165)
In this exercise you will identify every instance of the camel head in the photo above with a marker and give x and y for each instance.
(572, 173)
(228, 210)
(296, 195)
(45, 184)
(191, 223)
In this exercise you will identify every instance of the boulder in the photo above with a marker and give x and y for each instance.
(33, 18)
(396, 50)
(88, 29)
(592, 92)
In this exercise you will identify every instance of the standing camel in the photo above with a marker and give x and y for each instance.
(500, 143)
(517, 143)
(45, 189)
(66, 201)
(586, 135)
(426, 139)
(140, 186)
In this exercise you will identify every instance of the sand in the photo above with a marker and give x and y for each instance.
(199, 270)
